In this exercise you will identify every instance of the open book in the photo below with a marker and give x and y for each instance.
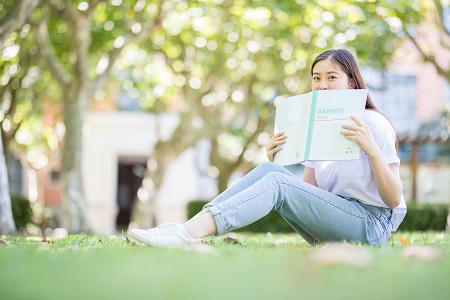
(312, 123)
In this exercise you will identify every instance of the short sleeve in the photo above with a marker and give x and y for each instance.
(384, 135)
(309, 164)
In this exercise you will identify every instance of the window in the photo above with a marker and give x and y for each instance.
(55, 177)
(397, 99)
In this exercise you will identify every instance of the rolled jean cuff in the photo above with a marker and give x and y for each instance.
(218, 219)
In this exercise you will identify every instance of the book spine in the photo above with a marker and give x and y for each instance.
(312, 116)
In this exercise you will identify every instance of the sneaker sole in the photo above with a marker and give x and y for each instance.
(144, 240)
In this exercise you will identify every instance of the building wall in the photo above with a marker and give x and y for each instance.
(112, 136)
(431, 87)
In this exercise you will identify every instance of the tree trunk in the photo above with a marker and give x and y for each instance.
(15, 18)
(73, 197)
(227, 168)
(7, 225)
(143, 211)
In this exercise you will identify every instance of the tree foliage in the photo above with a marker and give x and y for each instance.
(415, 21)
(77, 46)
(223, 64)
(220, 65)
(9, 23)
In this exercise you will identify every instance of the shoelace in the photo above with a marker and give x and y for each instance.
(171, 228)
(164, 228)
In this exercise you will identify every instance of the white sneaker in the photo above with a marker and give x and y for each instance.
(168, 235)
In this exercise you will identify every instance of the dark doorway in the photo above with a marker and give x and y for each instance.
(129, 181)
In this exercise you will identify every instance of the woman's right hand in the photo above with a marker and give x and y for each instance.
(272, 146)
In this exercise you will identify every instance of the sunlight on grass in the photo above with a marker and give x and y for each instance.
(241, 266)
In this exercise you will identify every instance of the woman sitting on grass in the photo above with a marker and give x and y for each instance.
(355, 200)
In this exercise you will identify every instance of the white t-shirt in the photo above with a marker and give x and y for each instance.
(354, 178)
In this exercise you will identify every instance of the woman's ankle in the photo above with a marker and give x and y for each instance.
(201, 225)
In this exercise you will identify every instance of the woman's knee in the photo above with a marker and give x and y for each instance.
(271, 167)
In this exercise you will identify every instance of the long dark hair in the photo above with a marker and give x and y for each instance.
(348, 64)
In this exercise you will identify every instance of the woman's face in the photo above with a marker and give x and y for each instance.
(329, 76)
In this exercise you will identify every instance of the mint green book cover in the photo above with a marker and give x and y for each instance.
(312, 123)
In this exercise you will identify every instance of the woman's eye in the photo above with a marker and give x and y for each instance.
(316, 78)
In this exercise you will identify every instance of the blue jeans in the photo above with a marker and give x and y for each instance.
(317, 215)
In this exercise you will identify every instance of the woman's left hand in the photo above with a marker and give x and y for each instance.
(360, 134)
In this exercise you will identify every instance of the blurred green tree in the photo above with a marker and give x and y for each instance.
(8, 24)
(78, 43)
(222, 64)
(219, 64)
(415, 20)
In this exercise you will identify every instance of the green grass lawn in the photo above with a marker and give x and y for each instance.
(264, 266)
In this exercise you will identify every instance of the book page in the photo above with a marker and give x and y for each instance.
(292, 118)
(333, 109)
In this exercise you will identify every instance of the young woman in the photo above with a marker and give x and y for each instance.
(355, 200)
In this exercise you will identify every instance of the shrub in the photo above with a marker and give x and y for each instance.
(425, 217)
(21, 209)
(420, 217)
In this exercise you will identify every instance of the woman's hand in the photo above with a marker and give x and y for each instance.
(271, 146)
(361, 135)
(387, 176)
